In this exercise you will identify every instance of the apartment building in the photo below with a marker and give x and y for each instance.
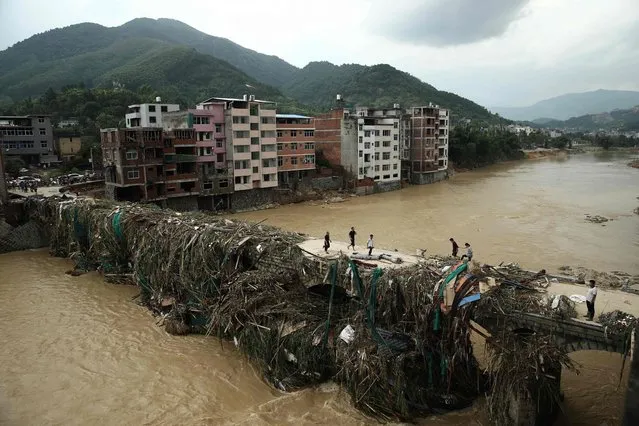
(68, 147)
(151, 165)
(329, 133)
(378, 142)
(213, 169)
(251, 141)
(29, 137)
(148, 115)
(295, 147)
(427, 161)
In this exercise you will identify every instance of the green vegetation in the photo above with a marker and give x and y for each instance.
(375, 86)
(472, 146)
(185, 66)
(13, 165)
(621, 119)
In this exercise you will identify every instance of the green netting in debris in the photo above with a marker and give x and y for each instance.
(115, 222)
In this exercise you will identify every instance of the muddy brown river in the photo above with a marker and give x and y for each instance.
(74, 350)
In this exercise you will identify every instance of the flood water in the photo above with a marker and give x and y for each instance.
(74, 350)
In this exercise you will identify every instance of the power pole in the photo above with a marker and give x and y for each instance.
(4, 196)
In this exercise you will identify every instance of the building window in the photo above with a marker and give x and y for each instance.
(218, 129)
(152, 119)
(367, 133)
(386, 144)
(377, 168)
(367, 145)
(151, 108)
(133, 174)
(40, 120)
(309, 159)
(361, 154)
(386, 133)
(223, 183)
(164, 108)
(309, 133)
(255, 141)
(238, 180)
(131, 155)
(201, 120)
(309, 145)
(269, 148)
(395, 125)
(293, 133)
(43, 131)
(280, 161)
(256, 170)
(279, 133)
(361, 127)
(395, 166)
(280, 146)
(377, 156)
(395, 147)
(294, 161)
(394, 175)
(376, 132)
(361, 139)
(294, 147)
(219, 143)
(255, 155)
(44, 144)
(386, 156)
(395, 137)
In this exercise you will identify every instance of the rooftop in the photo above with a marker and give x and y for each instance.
(291, 116)
(214, 99)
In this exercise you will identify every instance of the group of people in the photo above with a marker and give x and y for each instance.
(469, 249)
(351, 236)
(25, 186)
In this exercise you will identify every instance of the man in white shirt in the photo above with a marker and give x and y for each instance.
(370, 245)
(590, 300)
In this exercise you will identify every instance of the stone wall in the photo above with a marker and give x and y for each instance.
(425, 178)
(326, 183)
(378, 187)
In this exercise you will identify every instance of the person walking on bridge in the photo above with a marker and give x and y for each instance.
(351, 236)
(590, 300)
(455, 246)
(370, 245)
(327, 242)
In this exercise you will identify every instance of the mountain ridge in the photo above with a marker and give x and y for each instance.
(98, 56)
(569, 105)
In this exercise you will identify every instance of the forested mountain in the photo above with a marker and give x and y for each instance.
(187, 65)
(572, 105)
(378, 85)
(621, 119)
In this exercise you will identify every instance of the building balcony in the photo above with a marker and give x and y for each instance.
(241, 156)
(185, 158)
(239, 112)
(181, 177)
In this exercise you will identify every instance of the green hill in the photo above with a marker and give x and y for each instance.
(380, 85)
(187, 65)
(621, 119)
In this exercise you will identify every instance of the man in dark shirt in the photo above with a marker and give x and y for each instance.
(351, 235)
(455, 247)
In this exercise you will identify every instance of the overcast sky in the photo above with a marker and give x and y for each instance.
(495, 52)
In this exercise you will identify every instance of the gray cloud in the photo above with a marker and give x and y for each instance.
(454, 22)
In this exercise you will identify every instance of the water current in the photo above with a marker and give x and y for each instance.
(74, 350)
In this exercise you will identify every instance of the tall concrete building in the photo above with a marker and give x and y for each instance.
(214, 170)
(428, 159)
(251, 141)
(148, 115)
(151, 165)
(295, 147)
(29, 137)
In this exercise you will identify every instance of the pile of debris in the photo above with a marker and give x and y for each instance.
(596, 219)
(618, 322)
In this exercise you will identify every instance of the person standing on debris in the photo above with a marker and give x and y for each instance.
(370, 245)
(590, 300)
(327, 242)
(469, 252)
(351, 235)
(455, 246)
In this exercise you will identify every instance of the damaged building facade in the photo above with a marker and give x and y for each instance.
(295, 148)
(381, 147)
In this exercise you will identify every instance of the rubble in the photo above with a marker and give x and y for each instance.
(596, 219)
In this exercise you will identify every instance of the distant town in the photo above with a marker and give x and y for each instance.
(240, 153)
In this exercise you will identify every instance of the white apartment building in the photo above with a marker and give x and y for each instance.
(251, 141)
(148, 115)
(378, 143)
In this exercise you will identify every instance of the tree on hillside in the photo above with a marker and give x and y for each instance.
(603, 141)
